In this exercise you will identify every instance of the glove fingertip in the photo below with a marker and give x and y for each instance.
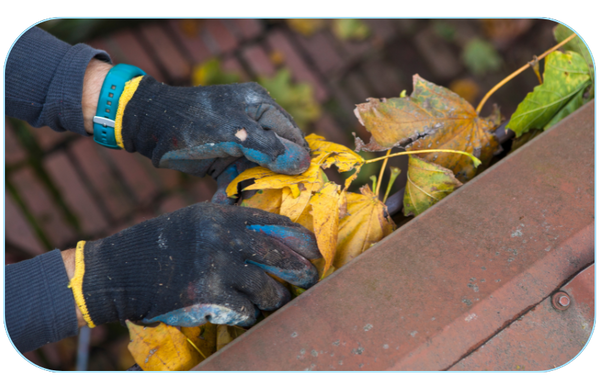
(294, 161)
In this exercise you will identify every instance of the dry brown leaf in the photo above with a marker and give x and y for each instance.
(364, 226)
(432, 117)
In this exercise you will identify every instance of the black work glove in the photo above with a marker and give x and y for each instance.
(190, 129)
(205, 262)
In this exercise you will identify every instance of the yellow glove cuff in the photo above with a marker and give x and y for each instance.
(76, 284)
(130, 88)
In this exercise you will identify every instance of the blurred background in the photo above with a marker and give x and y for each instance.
(61, 188)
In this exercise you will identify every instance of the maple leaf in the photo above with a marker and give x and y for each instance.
(365, 224)
(566, 76)
(432, 117)
(427, 184)
(162, 348)
(324, 154)
(326, 214)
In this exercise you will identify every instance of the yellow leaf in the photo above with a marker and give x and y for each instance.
(344, 158)
(364, 225)
(204, 337)
(267, 200)
(326, 214)
(267, 179)
(324, 154)
(161, 348)
(306, 27)
(428, 183)
(226, 334)
(293, 207)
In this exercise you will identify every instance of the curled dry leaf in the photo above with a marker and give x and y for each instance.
(226, 334)
(432, 117)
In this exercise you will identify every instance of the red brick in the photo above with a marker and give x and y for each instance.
(41, 205)
(221, 34)
(172, 203)
(250, 28)
(354, 49)
(258, 60)
(300, 70)
(383, 29)
(101, 178)
(13, 151)
(202, 189)
(382, 78)
(177, 67)
(231, 64)
(169, 178)
(18, 230)
(358, 88)
(131, 51)
(48, 138)
(328, 128)
(438, 54)
(110, 46)
(194, 44)
(74, 193)
(321, 49)
(135, 174)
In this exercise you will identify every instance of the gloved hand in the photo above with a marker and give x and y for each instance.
(191, 128)
(205, 262)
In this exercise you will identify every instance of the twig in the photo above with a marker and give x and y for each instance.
(476, 161)
(518, 71)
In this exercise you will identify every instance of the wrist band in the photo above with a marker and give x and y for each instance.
(108, 103)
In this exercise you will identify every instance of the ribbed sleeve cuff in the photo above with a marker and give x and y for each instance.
(44, 80)
(39, 307)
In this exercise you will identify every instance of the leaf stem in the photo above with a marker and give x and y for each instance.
(381, 171)
(394, 172)
(196, 348)
(518, 71)
(476, 161)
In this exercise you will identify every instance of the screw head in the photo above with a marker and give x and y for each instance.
(561, 300)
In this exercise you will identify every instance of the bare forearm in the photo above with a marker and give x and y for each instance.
(69, 260)
(92, 84)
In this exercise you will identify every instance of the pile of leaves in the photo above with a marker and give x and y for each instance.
(447, 133)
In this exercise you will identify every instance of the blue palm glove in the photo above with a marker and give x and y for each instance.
(205, 262)
(201, 130)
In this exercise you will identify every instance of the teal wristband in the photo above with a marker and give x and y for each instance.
(108, 103)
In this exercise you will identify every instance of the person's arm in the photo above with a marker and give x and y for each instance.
(68, 257)
(95, 73)
(44, 79)
(39, 306)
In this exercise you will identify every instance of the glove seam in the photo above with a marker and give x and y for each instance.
(76, 284)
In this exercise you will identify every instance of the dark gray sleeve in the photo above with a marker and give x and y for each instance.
(44, 80)
(39, 308)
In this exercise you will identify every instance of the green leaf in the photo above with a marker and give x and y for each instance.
(211, 73)
(565, 75)
(583, 96)
(296, 98)
(428, 183)
(481, 57)
(351, 29)
(577, 45)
